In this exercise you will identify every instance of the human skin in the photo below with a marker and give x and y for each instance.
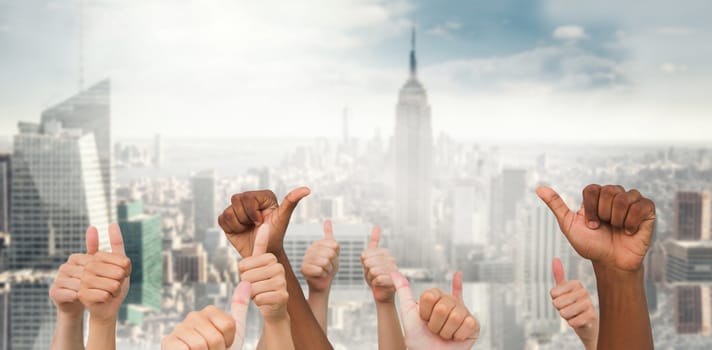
(212, 328)
(377, 267)
(319, 267)
(613, 229)
(240, 220)
(104, 286)
(439, 321)
(574, 304)
(269, 292)
(69, 331)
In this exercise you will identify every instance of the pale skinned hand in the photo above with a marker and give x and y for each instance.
(66, 285)
(574, 304)
(613, 228)
(212, 328)
(439, 321)
(249, 210)
(266, 275)
(321, 261)
(105, 280)
(378, 264)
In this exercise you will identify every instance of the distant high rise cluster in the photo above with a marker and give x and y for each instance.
(413, 145)
(57, 182)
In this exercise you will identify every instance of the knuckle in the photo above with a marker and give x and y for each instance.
(210, 309)
(456, 315)
(440, 309)
(591, 190)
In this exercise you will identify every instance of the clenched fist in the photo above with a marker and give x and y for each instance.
(212, 328)
(613, 228)
(266, 275)
(66, 285)
(378, 264)
(440, 321)
(321, 261)
(105, 280)
(248, 210)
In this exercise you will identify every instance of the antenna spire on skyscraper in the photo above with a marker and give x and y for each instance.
(413, 62)
(81, 45)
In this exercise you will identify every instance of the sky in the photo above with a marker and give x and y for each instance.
(555, 71)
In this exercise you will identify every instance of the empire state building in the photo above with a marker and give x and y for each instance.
(413, 143)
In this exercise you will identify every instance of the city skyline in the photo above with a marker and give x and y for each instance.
(449, 174)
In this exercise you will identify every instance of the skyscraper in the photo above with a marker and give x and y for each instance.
(413, 144)
(204, 212)
(5, 181)
(32, 313)
(688, 262)
(693, 309)
(157, 151)
(4, 311)
(90, 111)
(507, 190)
(540, 241)
(352, 238)
(57, 193)
(190, 264)
(143, 238)
(692, 216)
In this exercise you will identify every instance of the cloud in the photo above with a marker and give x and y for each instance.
(553, 68)
(569, 33)
(446, 29)
(676, 30)
(672, 68)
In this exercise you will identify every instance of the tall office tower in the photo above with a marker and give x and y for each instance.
(470, 217)
(32, 313)
(5, 195)
(204, 212)
(540, 240)
(332, 207)
(5, 181)
(353, 240)
(4, 311)
(157, 151)
(689, 262)
(143, 239)
(507, 190)
(190, 264)
(90, 111)
(167, 263)
(57, 193)
(413, 144)
(693, 309)
(692, 216)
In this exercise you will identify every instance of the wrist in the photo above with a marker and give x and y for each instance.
(66, 316)
(277, 321)
(386, 302)
(103, 323)
(589, 344)
(319, 293)
(607, 273)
